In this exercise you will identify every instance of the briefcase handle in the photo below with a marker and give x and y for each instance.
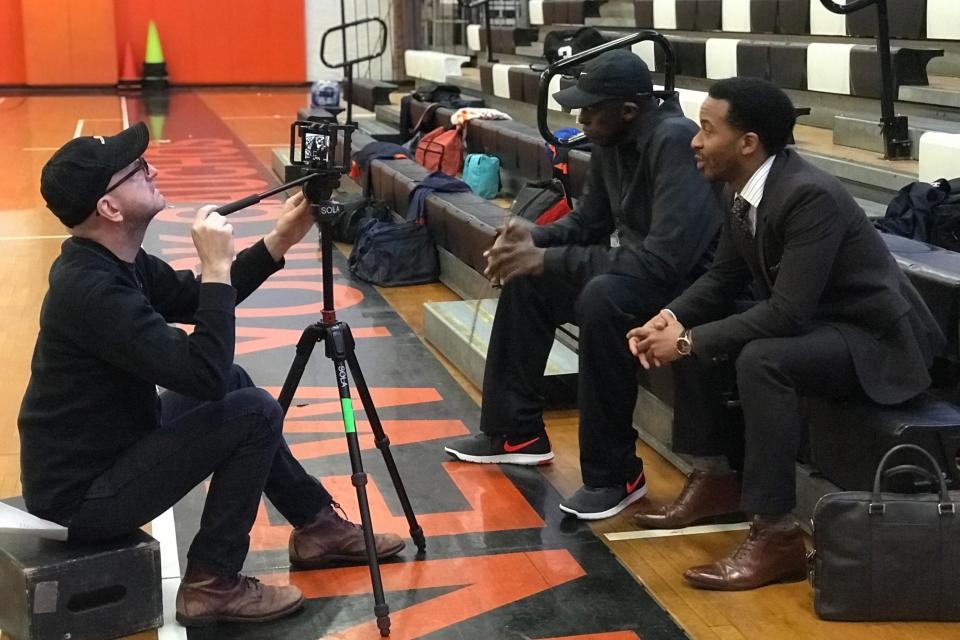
(910, 469)
(878, 478)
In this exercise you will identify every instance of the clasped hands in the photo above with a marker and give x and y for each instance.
(655, 343)
(513, 253)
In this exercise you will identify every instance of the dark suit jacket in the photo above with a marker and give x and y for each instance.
(816, 261)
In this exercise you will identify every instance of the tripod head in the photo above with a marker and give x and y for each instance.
(313, 158)
(316, 167)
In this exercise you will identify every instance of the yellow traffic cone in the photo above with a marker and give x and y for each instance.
(154, 66)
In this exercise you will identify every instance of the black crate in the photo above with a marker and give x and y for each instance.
(57, 590)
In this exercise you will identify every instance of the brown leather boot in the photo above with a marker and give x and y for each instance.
(705, 497)
(330, 538)
(206, 598)
(767, 555)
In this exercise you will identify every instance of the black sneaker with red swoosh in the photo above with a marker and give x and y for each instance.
(597, 503)
(529, 449)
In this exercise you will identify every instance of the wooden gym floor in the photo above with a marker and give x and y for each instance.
(32, 127)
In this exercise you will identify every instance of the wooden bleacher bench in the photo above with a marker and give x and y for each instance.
(832, 67)
(370, 93)
(503, 39)
(432, 65)
(794, 17)
(939, 155)
(572, 12)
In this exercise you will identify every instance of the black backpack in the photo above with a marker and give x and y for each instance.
(354, 214)
(394, 254)
(563, 44)
(926, 212)
(446, 95)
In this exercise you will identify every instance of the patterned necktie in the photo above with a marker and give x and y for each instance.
(740, 217)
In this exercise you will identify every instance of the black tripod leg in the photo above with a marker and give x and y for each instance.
(308, 340)
(383, 443)
(336, 350)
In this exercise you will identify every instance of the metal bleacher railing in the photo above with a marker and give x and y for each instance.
(895, 130)
(467, 4)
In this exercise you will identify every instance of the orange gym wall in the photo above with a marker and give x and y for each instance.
(63, 42)
(68, 43)
(11, 43)
(220, 41)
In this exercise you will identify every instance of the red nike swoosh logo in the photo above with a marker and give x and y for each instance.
(633, 485)
(513, 448)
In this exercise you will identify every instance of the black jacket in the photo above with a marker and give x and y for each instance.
(650, 191)
(104, 346)
(816, 260)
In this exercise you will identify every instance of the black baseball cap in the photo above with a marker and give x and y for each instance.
(77, 175)
(613, 74)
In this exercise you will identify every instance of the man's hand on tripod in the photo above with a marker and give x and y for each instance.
(213, 238)
(292, 226)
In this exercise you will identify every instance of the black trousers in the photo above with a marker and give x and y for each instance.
(239, 440)
(772, 375)
(605, 307)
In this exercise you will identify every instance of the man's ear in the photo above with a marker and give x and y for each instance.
(107, 209)
(750, 144)
(629, 111)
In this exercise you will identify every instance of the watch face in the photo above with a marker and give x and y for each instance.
(683, 345)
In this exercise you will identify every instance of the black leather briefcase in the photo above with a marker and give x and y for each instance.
(888, 556)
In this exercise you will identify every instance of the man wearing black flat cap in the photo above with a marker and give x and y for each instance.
(101, 452)
(639, 234)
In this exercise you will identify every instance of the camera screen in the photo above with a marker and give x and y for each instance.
(314, 146)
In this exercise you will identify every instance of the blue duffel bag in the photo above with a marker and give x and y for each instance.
(394, 254)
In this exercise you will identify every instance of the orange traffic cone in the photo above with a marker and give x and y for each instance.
(129, 80)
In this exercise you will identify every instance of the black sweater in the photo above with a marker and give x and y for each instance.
(649, 190)
(104, 346)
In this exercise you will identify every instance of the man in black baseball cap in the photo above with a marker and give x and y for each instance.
(641, 228)
(82, 171)
(617, 74)
(101, 452)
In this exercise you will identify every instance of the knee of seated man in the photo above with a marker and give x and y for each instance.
(756, 357)
(239, 378)
(259, 402)
(597, 299)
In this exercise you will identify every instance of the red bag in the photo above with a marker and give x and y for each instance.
(441, 150)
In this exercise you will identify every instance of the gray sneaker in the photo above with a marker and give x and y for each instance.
(597, 503)
(529, 449)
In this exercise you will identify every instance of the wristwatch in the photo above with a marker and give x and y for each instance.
(685, 343)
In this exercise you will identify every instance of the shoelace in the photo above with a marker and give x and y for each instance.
(342, 516)
(249, 582)
(748, 544)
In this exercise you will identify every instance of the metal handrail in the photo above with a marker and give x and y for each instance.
(347, 64)
(894, 128)
(344, 27)
(468, 4)
(669, 77)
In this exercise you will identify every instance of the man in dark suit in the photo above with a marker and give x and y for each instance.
(834, 317)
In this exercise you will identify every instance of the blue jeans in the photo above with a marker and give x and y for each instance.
(239, 440)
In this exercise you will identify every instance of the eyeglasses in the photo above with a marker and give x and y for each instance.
(142, 165)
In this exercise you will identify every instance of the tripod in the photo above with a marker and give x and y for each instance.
(339, 347)
(318, 186)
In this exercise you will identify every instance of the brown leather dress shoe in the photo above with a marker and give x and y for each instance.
(206, 598)
(705, 497)
(330, 538)
(768, 555)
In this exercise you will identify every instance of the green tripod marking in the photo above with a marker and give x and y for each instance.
(346, 405)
